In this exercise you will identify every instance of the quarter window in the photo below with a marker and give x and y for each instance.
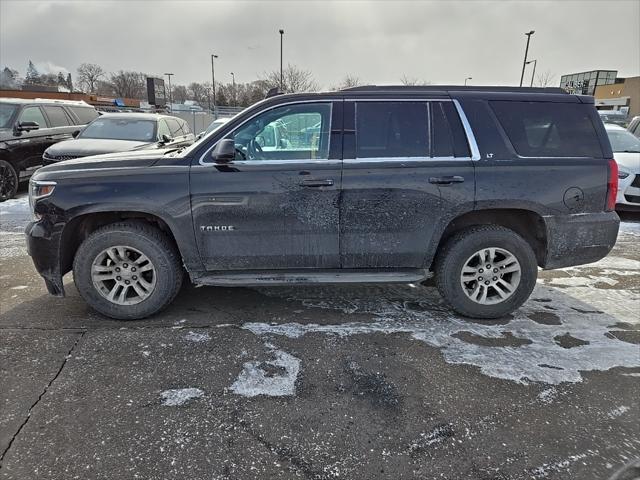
(448, 136)
(392, 129)
(33, 114)
(291, 132)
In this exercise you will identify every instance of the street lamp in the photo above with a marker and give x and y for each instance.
(533, 74)
(233, 79)
(213, 83)
(526, 51)
(465, 80)
(281, 77)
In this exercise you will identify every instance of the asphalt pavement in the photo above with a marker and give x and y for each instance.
(353, 382)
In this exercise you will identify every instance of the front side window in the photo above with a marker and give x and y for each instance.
(546, 129)
(33, 114)
(392, 129)
(291, 132)
(174, 126)
(7, 110)
(163, 129)
(57, 117)
(121, 129)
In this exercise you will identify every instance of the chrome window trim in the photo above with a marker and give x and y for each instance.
(351, 161)
(330, 101)
(283, 162)
(471, 138)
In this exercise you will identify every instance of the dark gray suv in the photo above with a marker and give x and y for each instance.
(477, 186)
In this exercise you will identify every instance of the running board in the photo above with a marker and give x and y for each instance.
(285, 277)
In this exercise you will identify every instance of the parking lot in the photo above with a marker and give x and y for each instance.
(353, 382)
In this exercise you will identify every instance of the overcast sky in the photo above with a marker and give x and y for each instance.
(378, 41)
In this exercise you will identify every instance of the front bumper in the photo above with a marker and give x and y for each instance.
(43, 246)
(580, 238)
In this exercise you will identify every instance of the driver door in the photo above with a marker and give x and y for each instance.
(275, 206)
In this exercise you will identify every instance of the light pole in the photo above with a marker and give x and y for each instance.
(170, 92)
(213, 83)
(535, 62)
(281, 77)
(465, 80)
(233, 79)
(526, 51)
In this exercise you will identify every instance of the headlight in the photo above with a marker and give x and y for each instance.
(38, 190)
(622, 175)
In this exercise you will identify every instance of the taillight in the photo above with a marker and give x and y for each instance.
(612, 186)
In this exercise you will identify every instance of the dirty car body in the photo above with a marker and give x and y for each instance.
(371, 184)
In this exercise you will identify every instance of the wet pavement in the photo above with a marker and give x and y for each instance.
(354, 382)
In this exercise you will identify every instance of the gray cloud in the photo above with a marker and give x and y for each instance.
(378, 41)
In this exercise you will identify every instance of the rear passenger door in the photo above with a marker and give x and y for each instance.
(407, 172)
(61, 125)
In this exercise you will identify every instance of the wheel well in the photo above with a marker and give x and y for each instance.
(529, 225)
(79, 228)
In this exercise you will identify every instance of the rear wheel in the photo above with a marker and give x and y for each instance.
(8, 181)
(486, 272)
(127, 270)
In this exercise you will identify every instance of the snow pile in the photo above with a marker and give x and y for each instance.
(273, 378)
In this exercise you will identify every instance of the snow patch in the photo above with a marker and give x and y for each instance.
(273, 378)
(548, 395)
(180, 396)
(548, 468)
(616, 412)
(197, 337)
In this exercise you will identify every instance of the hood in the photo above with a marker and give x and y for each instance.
(115, 161)
(628, 161)
(83, 147)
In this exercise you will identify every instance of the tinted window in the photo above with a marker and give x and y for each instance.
(448, 136)
(544, 129)
(292, 132)
(121, 129)
(7, 111)
(57, 116)
(392, 129)
(174, 126)
(84, 114)
(33, 114)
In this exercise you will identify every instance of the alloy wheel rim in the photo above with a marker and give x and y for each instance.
(490, 276)
(123, 275)
(7, 181)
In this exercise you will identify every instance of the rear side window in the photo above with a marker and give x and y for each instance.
(447, 132)
(57, 116)
(392, 129)
(544, 129)
(84, 114)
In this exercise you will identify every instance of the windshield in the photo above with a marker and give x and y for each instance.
(6, 113)
(623, 141)
(121, 129)
(215, 124)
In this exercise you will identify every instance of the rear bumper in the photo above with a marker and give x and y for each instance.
(579, 239)
(43, 246)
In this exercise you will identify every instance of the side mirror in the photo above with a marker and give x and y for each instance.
(75, 134)
(27, 126)
(225, 151)
(166, 138)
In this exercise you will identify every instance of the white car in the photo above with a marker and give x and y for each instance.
(626, 151)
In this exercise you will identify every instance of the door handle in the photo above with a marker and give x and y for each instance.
(49, 138)
(317, 183)
(447, 180)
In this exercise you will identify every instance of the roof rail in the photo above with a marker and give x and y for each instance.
(272, 92)
(452, 88)
(64, 102)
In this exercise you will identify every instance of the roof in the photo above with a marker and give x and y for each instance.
(613, 126)
(135, 115)
(44, 101)
(445, 89)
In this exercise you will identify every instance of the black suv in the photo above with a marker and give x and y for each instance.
(480, 186)
(28, 128)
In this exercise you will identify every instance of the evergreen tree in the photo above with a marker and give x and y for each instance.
(33, 76)
(69, 82)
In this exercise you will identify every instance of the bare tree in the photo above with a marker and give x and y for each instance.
(128, 84)
(294, 79)
(88, 76)
(199, 92)
(413, 81)
(180, 94)
(545, 79)
(349, 81)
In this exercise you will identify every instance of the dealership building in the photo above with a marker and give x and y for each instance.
(610, 91)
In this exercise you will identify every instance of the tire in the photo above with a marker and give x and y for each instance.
(8, 181)
(465, 293)
(129, 248)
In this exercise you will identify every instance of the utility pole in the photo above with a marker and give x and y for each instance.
(535, 62)
(213, 83)
(170, 92)
(233, 79)
(281, 77)
(524, 63)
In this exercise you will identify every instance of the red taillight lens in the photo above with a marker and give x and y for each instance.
(612, 186)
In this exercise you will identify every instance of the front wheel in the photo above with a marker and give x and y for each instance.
(486, 272)
(8, 181)
(127, 270)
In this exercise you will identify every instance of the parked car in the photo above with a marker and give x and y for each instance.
(634, 126)
(626, 151)
(119, 132)
(28, 128)
(615, 117)
(478, 186)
